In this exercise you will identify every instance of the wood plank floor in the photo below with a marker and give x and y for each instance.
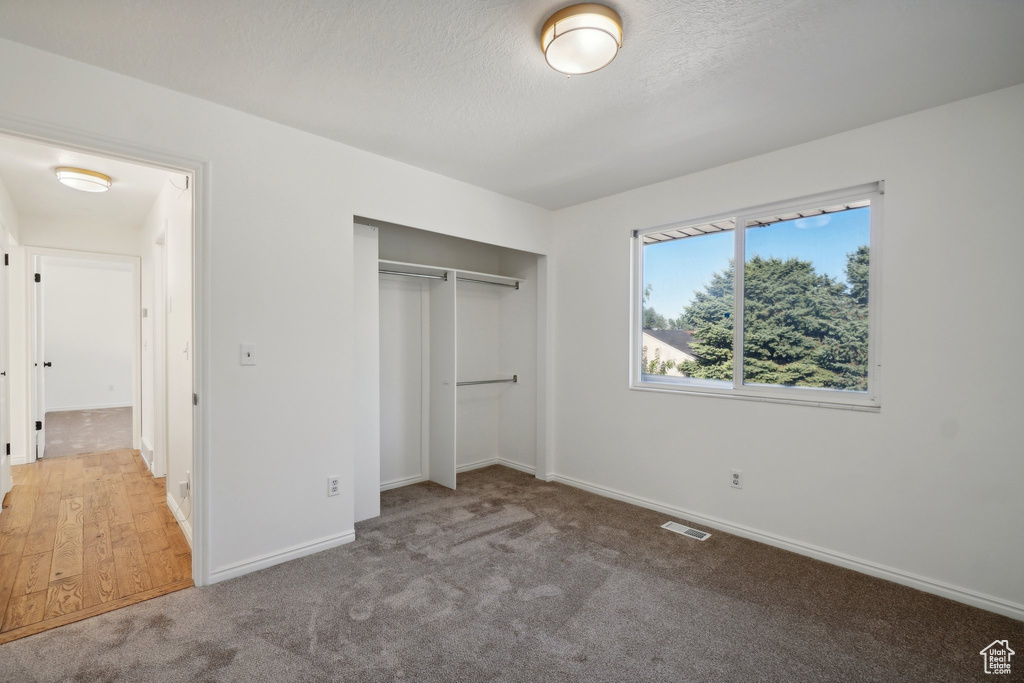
(84, 535)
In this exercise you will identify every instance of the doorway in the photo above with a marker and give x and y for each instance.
(101, 333)
(86, 360)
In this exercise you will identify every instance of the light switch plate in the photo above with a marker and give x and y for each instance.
(247, 354)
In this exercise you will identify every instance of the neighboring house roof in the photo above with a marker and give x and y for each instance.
(677, 339)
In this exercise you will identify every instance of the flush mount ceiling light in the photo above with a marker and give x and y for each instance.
(581, 39)
(82, 179)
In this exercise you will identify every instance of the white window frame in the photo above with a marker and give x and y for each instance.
(808, 396)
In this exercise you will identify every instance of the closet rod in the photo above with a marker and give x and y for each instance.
(488, 282)
(429, 277)
(514, 380)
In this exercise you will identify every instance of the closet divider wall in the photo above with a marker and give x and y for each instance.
(443, 367)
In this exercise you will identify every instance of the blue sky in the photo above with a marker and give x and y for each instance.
(676, 269)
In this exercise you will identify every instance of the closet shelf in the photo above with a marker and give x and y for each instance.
(411, 269)
(386, 267)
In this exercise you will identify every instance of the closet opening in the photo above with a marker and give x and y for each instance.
(456, 360)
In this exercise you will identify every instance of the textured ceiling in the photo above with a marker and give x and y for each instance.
(460, 86)
(27, 169)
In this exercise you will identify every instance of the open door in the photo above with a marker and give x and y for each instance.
(39, 363)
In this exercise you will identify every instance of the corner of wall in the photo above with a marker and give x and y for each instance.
(183, 518)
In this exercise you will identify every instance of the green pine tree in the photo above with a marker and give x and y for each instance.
(801, 328)
(652, 319)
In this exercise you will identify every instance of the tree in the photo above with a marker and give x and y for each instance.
(655, 366)
(652, 319)
(801, 328)
(857, 274)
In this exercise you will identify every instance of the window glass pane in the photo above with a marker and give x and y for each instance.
(688, 305)
(805, 319)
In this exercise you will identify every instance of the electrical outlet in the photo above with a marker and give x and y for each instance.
(737, 479)
(333, 486)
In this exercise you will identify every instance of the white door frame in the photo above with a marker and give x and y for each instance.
(159, 350)
(199, 169)
(5, 411)
(31, 304)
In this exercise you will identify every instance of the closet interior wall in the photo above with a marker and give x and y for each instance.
(491, 333)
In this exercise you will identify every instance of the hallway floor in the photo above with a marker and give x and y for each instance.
(77, 432)
(83, 535)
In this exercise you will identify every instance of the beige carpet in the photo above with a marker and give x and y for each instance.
(513, 579)
(78, 432)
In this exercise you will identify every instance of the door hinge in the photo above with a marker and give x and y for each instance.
(39, 278)
(39, 425)
(195, 399)
(8, 449)
(7, 259)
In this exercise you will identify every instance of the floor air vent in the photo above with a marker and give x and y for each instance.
(686, 531)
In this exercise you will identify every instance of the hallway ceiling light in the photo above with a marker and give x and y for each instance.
(81, 179)
(581, 39)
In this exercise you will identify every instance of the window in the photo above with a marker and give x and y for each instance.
(802, 328)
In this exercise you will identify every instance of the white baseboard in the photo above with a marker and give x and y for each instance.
(66, 409)
(236, 569)
(945, 590)
(496, 461)
(185, 524)
(397, 483)
(4, 490)
(518, 466)
(418, 478)
(147, 454)
(19, 460)
(476, 465)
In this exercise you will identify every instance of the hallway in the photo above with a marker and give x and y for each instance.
(78, 432)
(83, 535)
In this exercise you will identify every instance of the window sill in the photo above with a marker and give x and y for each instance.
(731, 395)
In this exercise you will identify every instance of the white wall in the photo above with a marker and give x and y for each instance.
(518, 344)
(165, 244)
(180, 351)
(54, 233)
(171, 206)
(925, 488)
(8, 213)
(22, 439)
(152, 360)
(8, 220)
(415, 245)
(88, 318)
(279, 249)
(404, 359)
(478, 341)
(366, 360)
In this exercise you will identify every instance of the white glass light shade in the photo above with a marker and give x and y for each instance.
(81, 179)
(582, 38)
